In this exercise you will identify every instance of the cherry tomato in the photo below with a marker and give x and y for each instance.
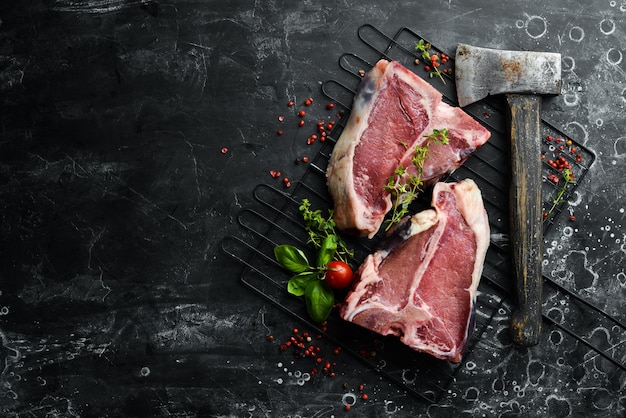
(339, 274)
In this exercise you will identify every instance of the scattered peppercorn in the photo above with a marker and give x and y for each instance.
(300, 342)
(553, 178)
(560, 164)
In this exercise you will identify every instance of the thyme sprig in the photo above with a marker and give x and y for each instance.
(568, 176)
(404, 186)
(319, 228)
(424, 49)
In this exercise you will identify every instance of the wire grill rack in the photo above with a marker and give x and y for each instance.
(275, 220)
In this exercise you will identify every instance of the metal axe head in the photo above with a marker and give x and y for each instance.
(480, 72)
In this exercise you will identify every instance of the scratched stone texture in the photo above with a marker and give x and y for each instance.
(133, 131)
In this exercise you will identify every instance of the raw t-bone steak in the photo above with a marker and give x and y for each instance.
(393, 110)
(421, 284)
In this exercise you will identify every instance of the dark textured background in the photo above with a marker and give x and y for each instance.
(115, 193)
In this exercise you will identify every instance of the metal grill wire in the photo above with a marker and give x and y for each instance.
(276, 220)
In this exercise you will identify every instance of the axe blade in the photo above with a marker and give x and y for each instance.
(480, 72)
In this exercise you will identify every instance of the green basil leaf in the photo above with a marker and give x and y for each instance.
(298, 283)
(319, 300)
(291, 258)
(327, 251)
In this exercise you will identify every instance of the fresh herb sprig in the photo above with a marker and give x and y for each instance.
(424, 49)
(568, 176)
(319, 228)
(439, 136)
(405, 187)
(308, 279)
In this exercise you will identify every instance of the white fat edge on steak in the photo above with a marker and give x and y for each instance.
(342, 157)
(342, 161)
(447, 116)
(474, 213)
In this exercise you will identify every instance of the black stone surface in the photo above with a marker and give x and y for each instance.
(133, 132)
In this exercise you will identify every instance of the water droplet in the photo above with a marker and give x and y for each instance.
(348, 399)
(390, 407)
(408, 376)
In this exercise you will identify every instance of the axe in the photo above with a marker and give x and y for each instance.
(521, 76)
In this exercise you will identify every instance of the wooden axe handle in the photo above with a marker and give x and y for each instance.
(526, 216)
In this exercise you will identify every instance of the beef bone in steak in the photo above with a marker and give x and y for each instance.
(393, 110)
(421, 284)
